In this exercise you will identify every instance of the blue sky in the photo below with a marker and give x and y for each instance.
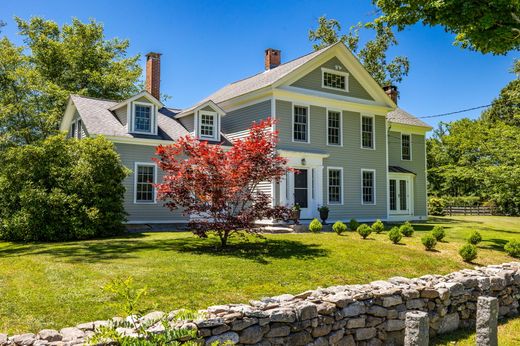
(207, 44)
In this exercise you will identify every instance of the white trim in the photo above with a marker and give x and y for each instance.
(336, 72)
(293, 105)
(416, 130)
(329, 168)
(216, 125)
(149, 164)
(298, 154)
(409, 178)
(143, 93)
(273, 129)
(375, 182)
(248, 103)
(340, 126)
(153, 118)
(367, 115)
(410, 142)
(387, 130)
(194, 109)
(425, 178)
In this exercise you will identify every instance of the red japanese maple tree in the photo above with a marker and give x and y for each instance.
(217, 186)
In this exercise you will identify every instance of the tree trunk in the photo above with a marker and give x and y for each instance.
(224, 239)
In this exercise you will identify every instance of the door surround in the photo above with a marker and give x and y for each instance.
(408, 180)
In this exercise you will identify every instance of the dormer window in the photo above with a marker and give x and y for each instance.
(333, 79)
(208, 125)
(142, 117)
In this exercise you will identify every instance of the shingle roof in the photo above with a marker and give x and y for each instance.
(259, 80)
(401, 116)
(98, 119)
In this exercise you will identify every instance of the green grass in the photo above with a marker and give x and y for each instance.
(53, 285)
(508, 335)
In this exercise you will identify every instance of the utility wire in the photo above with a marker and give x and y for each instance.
(456, 112)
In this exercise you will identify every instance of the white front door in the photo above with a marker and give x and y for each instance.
(400, 195)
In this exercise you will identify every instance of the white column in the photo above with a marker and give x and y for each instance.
(283, 190)
(319, 185)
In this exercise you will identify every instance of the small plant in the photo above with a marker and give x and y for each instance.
(324, 213)
(513, 248)
(364, 230)
(406, 229)
(438, 232)
(353, 225)
(339, 227)
(429, 241)
(474, 238)
(323, 208)
(296, 207)
(378, 226)
(127, 296)
(436, 206)
(315, 226)
(395, 235)
(468, 252)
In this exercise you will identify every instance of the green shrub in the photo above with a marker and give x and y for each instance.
(339, 227)
(395, 235)
(378, 226)
(315, 226)
(436, 206)
(474, 238)
(353, 225)
(406, 229)
(468, 252)
(364, 230)
(513, 248)
(429, 241)
(438, 232)
(61, 189)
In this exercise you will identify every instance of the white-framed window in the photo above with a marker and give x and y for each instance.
(368, 186)
(334, 128)
(145, 175)
(335, 185)
(406, 146)
(76, 129)
(72, 133)
(300, 124)
(143, 117)
(367, 132)
(334, 79)
(79, 127)
(208, 124)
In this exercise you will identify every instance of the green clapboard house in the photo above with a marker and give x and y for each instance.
(356, 151)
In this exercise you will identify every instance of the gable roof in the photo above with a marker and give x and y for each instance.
(401, 116)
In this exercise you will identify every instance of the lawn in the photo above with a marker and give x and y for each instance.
(53, 285)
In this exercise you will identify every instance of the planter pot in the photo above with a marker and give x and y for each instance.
(324, 215)
(295, 215)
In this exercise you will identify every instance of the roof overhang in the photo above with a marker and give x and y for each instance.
(68, 115)
(192, 110)
(407, 128)
(143, 93)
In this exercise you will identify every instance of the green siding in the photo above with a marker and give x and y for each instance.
(131, 153)
(241, 119)
(416, 165)
(350, 156)
(313, 81)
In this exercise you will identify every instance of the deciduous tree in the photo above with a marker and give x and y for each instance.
(373, 55)
(218, 186)
(484, 26)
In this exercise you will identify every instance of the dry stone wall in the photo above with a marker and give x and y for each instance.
(370, 314)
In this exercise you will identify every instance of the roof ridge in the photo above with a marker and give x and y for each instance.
(95, 98)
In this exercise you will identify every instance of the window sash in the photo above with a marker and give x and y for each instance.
(207, 125)
(368, 187)
(335, 186)
(300, 124)
(142, 118)
(145, 178)
(334, 128)
(405, 147)
(367, 132)
(334, 81)
(78, 129)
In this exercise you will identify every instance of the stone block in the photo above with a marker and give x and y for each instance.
(449, 323)
(354, 309)
(416, 329)
(252, 335)
(365, 333)
(222, 339)
(356, 323)
(487, 319)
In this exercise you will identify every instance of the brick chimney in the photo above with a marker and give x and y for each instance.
(391, 91)
(272, 58)
(153, 74)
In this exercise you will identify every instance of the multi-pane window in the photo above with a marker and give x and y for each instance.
(367, 132)
(300, 124)
(207, 125)
(334, 128)
(334, 80)
(73, 130)
(368, 187)
(144, 180)
(393, 195)
(406, 147)
(402, 195)
(335, 181)
(142, 118)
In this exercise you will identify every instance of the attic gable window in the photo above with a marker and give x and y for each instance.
(333, 79)
(143, 118)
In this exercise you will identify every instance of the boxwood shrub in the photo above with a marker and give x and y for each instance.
(364, 230)
(438, 232)
(513, 248)
(429, 241)
(474, 238)
(468, 252)
(407, 229)
(395, 235)
(315, 226)
(353, 225)
(378, 226)
(339, 227)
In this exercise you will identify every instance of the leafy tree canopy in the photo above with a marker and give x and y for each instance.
(485, 26)
(373, 55)
(36, 79)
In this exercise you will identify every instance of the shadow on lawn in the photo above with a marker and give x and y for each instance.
(135, 245)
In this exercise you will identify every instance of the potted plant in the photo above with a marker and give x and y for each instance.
(295, 213)
(324, 213)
